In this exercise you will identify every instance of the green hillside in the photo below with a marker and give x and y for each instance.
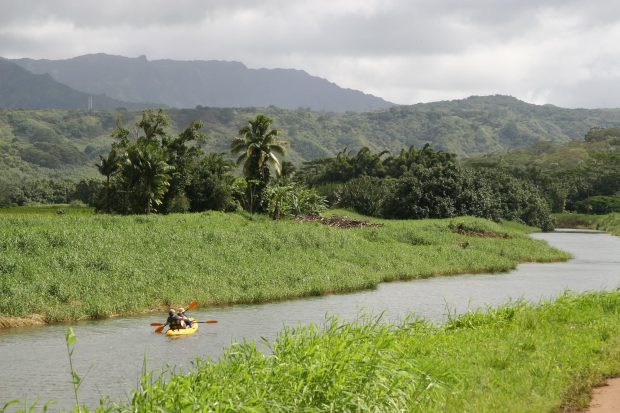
(549, 156)
(64, 144)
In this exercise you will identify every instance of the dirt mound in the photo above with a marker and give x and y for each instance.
(338, 221)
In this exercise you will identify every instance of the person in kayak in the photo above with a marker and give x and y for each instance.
(174, 321)
(184, 317)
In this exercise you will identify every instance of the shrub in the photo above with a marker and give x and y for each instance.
(180, 203)
(291, 199)
(599, 205)
(366, 194)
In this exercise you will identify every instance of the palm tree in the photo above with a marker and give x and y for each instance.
(108, 167)
(257, 146)
(148, 175)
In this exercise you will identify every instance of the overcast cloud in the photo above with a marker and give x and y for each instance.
(562, 52)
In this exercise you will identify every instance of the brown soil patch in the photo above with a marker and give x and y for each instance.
(338, 221)
(482, 234)
(15, 322)
(606, 399)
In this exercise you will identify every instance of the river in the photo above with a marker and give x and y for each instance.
(110, 353)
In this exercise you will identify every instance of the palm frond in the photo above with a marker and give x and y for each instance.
(280, 150)
(241, 158)
(276, 164)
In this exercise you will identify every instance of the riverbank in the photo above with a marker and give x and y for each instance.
(70, 267)
(518, 358)
(608, 223)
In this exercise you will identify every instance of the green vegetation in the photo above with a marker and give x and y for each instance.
(599, 204)
(256, 148)
(66, 145)
(154, 171)
(424, 183)
(517, 358)
(66, 267)
(150, 169)
(472, 126)
(609, 222)
(74, 208)
(576, 176)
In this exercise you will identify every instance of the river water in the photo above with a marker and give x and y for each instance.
(110, 353)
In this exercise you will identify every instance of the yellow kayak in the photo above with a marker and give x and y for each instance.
(184, 331)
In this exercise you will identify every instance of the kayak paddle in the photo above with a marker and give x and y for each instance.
(204, 322)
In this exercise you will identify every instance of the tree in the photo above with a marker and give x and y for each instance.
(257, 147)
(185, 161)
(108, 167)
(211, 184)
(148, 176)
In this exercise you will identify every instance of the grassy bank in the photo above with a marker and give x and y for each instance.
(66, 267)
(609, 223)
(520, 358)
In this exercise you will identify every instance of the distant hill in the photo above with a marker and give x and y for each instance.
(65, 144)
(187, 84)
(20, 88)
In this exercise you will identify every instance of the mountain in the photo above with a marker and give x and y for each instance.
(20, 88)
(66, 144)
(187, 84)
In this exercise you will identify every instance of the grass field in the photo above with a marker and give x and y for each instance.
(519, 358)
(609, 223)
(67, 267)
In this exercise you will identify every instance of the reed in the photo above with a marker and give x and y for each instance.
(68, 267)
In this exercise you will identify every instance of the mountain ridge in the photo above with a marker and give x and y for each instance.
(191, 83)
(20, 88)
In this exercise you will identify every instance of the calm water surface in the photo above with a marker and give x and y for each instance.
(33, 362)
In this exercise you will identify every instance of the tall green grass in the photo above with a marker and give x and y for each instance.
(609, 223)
(518, 358)
(67, 267)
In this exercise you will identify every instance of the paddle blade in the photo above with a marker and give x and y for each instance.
(211, 321)
(156, 324)
(159, 329)
(192, 305)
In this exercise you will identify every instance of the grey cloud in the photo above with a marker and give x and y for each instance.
(109, 13)
(590, 93)
(398, 49)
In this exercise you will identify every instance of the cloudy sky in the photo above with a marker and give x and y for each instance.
(564, 52)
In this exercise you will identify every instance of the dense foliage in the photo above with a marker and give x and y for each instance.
(151, 170)
(48, 191)
(154, 171)
(472, 126)
(67, 145)
(576, 176)
(424, 183)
